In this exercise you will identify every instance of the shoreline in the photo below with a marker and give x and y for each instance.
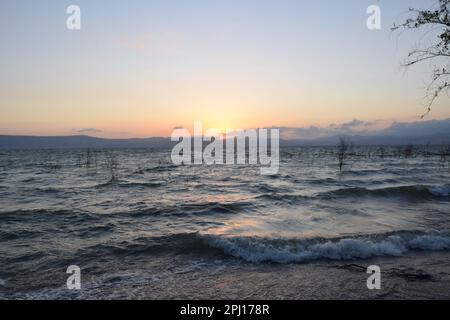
(418, 275)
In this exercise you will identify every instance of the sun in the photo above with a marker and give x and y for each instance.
(222, 125)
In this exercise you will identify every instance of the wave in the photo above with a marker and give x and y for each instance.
(277, 250)
(179, 243)
(161, 168)
(17, 234)
(283, 197)
(201, 208)
(148, 184)
(257, 249)
(35, 215)
(116, 182)
(440, 191)
(48, 190)
(109, 183)
(414, 191)
(77, 216)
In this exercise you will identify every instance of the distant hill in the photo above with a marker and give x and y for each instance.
(84, 142)
(78, 142)
(434, 132)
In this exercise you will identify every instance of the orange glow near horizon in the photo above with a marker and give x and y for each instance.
(137, 71)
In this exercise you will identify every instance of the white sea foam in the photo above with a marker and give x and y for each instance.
(429, 242)
(284, 251)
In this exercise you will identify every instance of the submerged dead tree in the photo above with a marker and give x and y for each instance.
(111, 164)
(445, 155)
(408, 151)
(88, 158)
(436, 21)
(343, 149)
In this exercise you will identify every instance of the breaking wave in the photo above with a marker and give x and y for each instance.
(257, 250)
(281, 250)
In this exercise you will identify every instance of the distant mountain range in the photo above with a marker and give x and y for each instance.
(79, 142)
(85, 142)
(434, 132)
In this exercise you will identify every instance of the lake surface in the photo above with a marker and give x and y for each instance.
(140, 227)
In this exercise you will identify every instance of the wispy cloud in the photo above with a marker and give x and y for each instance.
(355, 124)
(87, 130)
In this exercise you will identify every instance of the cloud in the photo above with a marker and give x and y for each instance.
(313, 132)
(418, 128)
(87, 130)
(355, 124)
(352, 124)
(365, 128)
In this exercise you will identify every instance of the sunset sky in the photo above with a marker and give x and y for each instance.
(140, 68)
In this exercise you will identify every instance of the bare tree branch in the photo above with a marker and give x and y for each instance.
(437, 17)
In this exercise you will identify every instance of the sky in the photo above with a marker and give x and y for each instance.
(139, 68)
